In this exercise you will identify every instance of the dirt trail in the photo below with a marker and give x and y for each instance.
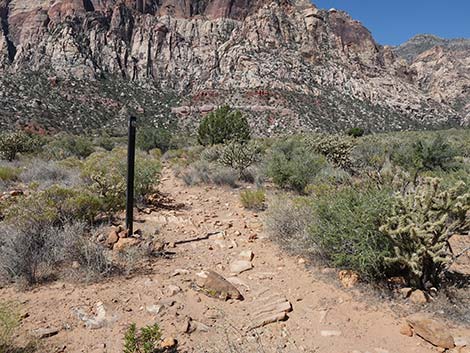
(325, 317)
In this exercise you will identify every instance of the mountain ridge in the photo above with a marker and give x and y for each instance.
(288, 64)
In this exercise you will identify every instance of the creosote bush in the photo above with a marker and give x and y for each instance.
(65, 146)
(253, 199)
(420, 226)
(223, 125)
(345, 229)
(292, 165)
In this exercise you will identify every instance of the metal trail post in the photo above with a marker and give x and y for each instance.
(130, 176)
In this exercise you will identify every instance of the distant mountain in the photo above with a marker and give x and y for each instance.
(290, 66)
(441, 68)
(423, 42)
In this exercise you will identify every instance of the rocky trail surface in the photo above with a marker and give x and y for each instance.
(174, 291)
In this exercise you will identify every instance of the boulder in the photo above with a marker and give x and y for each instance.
(431, 330)
(125, 243)
(418, 297)
(214, 285)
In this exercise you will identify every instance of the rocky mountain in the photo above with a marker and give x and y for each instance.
(423, 42)
(86, 64)
(441, 68)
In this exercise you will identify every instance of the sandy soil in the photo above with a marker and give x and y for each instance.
(325, 317)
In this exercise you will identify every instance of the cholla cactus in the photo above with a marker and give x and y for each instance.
(13, 143)
(420, 226)
(336, 148)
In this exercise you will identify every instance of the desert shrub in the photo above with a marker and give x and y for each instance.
(287, 223)
(54, 205)
(336, 148)
(8, 174)
(12, 143)
(149, 138)
(202, 172)
(9, 321)
(65, 146)
(332, 175)
(356, 132)
(183, 157)
(48, 173)
(28, 254)
(146, 340)
(292, 165)
(253, 199)
(419, 227)
(345, 229)
(91, 257)
(212, 153)
(223, 125)
(32, 252)
(240, 156)
(424, 155)
(106, 171)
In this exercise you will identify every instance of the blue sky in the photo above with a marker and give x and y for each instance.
(395, 21)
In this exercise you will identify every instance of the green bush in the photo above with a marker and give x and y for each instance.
(424, 155)
(345, 229)
(253, 199)
(149, 138)
(356, 132)
(12, 143)
(223, 125)
(54, 205)
(145, 341)
(292, 165)
(107, 173)
(65, 146)
(9, 321)
(420, 226)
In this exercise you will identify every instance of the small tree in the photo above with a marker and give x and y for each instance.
(223, 125)
(420, 226)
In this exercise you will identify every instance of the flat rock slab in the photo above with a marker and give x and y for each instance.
(240, 266)
(214, 285)
(269, 309)
(431, 330)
